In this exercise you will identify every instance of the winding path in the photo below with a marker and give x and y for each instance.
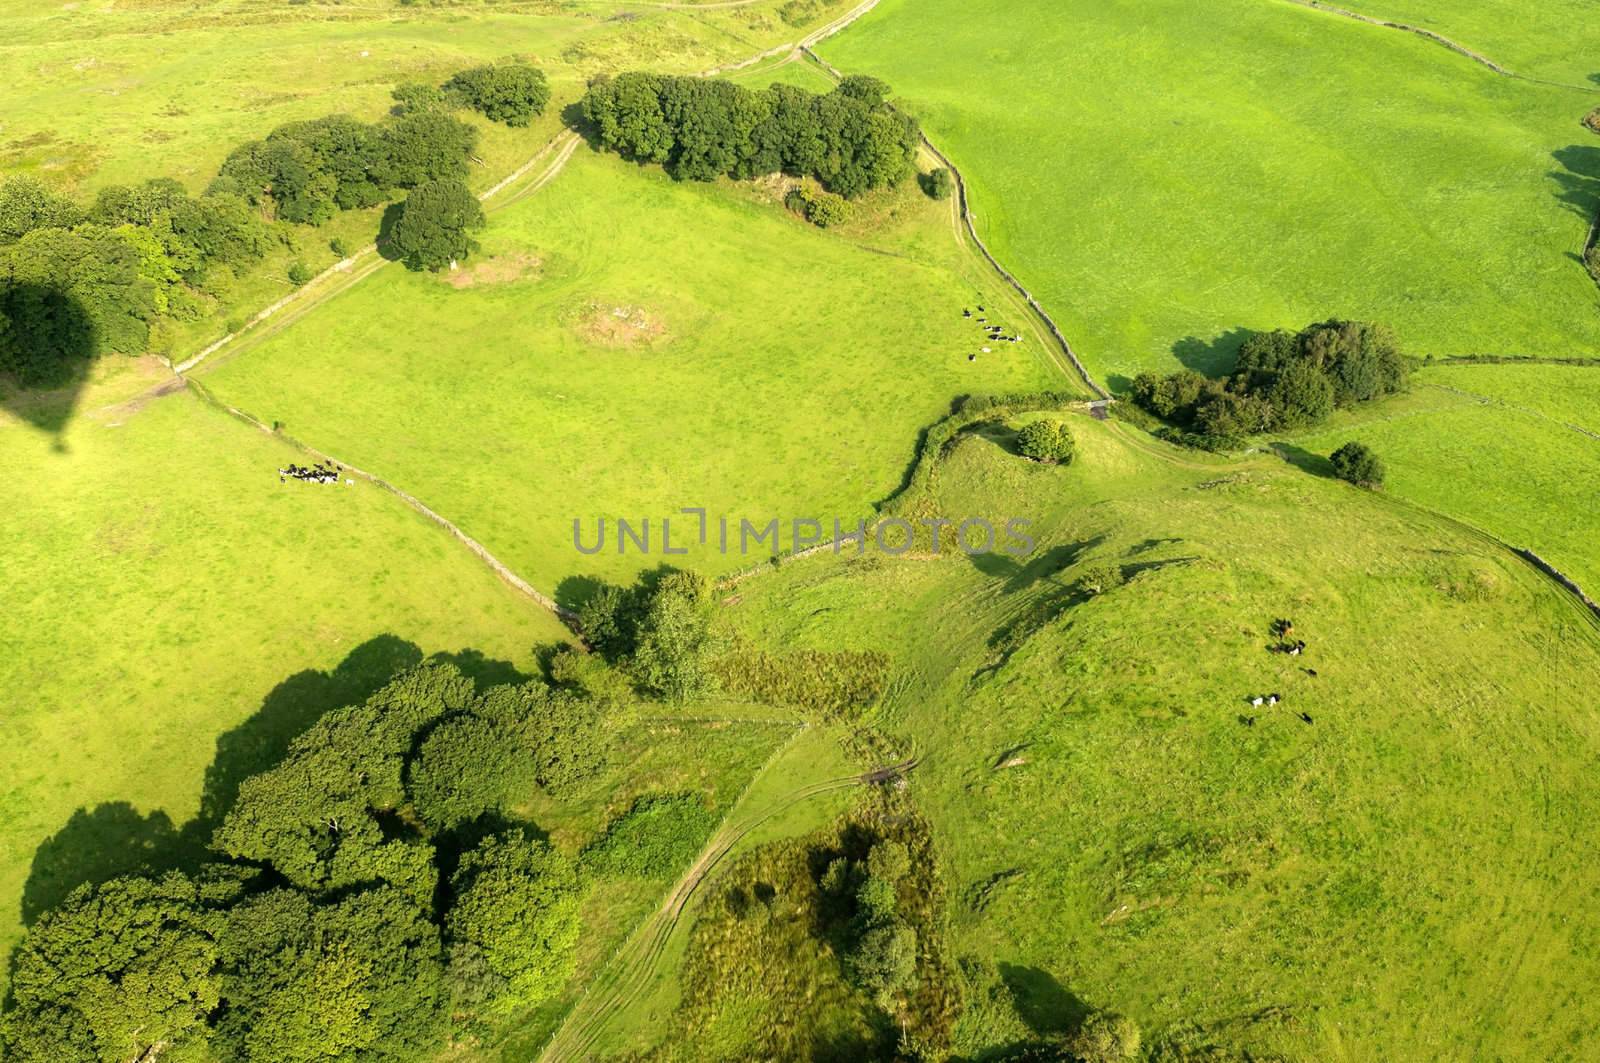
(633, 966)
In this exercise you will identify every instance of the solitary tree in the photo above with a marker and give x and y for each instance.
(1359, 465)
(939, 184)
(435, 220)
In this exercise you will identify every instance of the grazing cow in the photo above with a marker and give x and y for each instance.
(1257, 701)
(1306, 716)
(972, 358)
(1312, 672)
(1248, 721)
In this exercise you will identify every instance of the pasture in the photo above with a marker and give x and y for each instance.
(1164, 175)
(1510, 449)
(102, 92)
(1114, 833)
(1555, 39)
(625, 346)
(163, 588)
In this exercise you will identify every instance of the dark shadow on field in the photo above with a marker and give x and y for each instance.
(1044, 1004)
(484, 672)
(574, 591)
(1304, 460)
(96, 845)
(1578, 181)
(115, 839)
(47, 340)
(386, 224)
(1213, 357)
(1118, 384)
(1022, 573)
(573, 118)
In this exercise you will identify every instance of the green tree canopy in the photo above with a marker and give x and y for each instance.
(116, 971)
(435, 221)
(27, 204)
(1356, 463)
(1047, 440)
(513, 93)
(515, 917)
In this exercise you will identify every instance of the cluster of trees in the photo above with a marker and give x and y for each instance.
(512, 93)
(882, 959)
(1047, 440)
(1282, 380)
(365, 896)
(848, 139)
(76, 282)
(306, 172)
(79, 282)
(660, 629)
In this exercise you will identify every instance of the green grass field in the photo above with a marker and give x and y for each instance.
(636, 346)
(1555, 39)
(1509, 449)
(1116, 837)
(163, 587)
(1165, 174)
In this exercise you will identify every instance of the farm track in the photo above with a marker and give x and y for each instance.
(344, 275)
(636, 963)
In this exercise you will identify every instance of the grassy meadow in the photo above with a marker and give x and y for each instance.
(1113, 833)
(163, 588)
(1165, 174)
(1553, 39)
(103, 92)
(626, 346)
(1510, 449)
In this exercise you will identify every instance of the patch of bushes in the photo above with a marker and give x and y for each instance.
(820, 208)
(1047, 441)
(830, 685)
(300, 274)
(939, 183)
(1357, 464)
(701, 128)
(660, 629)
(1281, 381)
(655, 838)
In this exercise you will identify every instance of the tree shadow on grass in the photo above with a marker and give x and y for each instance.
(1305, 460)
(49, 342)
(1045, 1006)
(1578, 181)
(115, 839)
(1021, 574)
(1213, 357)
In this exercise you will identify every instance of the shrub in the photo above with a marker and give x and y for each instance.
(1048, 441)
(939, 184)
(1357, 464)
(655, 838)
(339, 247)
(1592, 120)
(1105, 1037)
(1101, 577)
(299, 273)
(821, 209)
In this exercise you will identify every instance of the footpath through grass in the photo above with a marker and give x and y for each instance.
(1164, 174)
(626, 346)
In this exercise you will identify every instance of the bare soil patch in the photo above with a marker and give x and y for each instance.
(624, 327)
(501, 269)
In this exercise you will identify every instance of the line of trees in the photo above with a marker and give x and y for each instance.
(364, 898)
(849, 139)
(1282, 380)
